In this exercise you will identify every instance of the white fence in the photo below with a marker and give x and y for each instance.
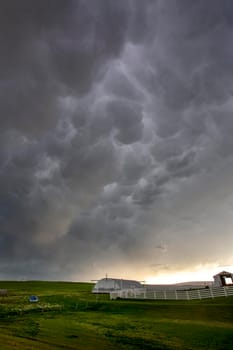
(142, 293)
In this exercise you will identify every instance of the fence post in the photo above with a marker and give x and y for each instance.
(199, 294)
(154, 295)
(176, 294)
(187, 294)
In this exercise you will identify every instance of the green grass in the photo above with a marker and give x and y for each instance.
(68, 316)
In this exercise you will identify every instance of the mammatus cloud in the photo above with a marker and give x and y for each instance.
(116, 137)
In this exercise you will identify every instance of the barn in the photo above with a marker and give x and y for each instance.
(107, 285)
(223, 279)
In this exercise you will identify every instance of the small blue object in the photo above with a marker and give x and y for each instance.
(33, 299)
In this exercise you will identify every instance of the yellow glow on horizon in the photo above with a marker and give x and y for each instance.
(199, 274)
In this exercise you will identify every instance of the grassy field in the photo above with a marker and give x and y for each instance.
(68, 316)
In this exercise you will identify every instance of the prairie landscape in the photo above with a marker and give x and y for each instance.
(69, 316)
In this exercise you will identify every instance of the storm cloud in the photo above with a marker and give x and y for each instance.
(116, 148)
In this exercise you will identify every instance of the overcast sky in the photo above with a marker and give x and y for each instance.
(116, 138)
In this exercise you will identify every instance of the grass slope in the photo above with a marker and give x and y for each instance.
(68, 316)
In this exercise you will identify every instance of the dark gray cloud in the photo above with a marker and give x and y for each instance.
(115, 137)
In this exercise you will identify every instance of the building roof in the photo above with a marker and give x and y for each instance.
(223, 273)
